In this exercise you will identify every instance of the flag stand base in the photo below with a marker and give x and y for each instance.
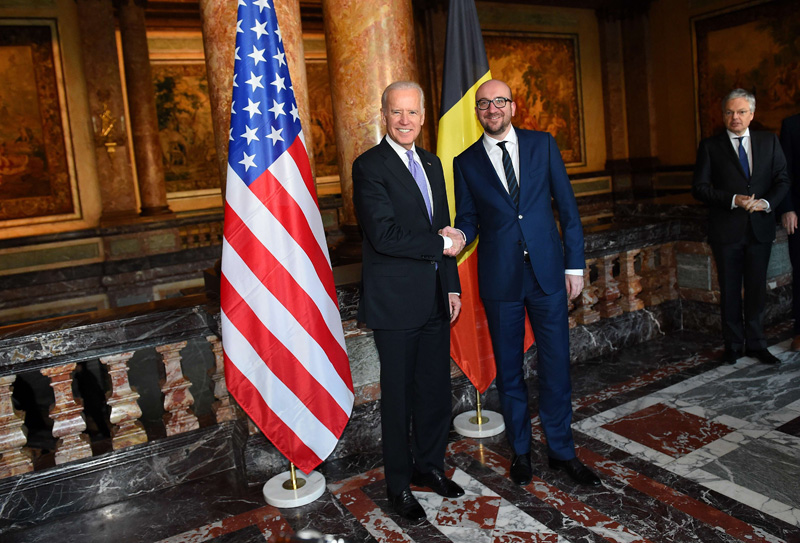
(277, 495)
(466, 424)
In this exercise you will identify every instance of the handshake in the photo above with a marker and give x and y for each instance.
(458, 240)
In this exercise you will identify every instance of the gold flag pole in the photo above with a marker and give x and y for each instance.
(478, 418)
(293, 483)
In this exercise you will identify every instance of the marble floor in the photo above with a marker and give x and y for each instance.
(689, 450)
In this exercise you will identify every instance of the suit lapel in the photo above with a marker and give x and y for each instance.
(487, 171)
(437, 184)
(402, 174)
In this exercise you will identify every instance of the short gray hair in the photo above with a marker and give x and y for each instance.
(740, 93)
(403, 85)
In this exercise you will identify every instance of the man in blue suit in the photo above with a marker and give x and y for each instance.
(504, 185)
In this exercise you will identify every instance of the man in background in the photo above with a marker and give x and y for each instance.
(790, 142)
(741, 175)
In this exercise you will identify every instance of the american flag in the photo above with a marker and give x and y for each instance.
(285, 357)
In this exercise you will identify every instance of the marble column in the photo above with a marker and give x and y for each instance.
(640, 101)
(104, 87)
(142, 108)
(288, 13)
(370, 44)
(614, 108)
(219, 42)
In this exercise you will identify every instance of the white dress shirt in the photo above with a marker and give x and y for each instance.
(748, 148)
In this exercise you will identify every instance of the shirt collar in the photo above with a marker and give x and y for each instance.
(491, 143)
(746, 134)
(400, 150)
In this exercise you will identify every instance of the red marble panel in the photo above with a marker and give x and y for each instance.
(668, 430)
(469, 512)
(665, 494)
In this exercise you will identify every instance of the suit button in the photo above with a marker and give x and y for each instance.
(519, 216)
(519, 243)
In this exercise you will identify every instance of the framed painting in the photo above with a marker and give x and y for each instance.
(755, 48)
(37, 175)
(543, 71)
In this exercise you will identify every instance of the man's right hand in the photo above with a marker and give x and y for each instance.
(789, 221)
(458, 240)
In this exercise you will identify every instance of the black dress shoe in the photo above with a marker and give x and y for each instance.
(764, 356)
(407, 506)
(438, 482)
(577, 471)
(732, 355)
(521, 472)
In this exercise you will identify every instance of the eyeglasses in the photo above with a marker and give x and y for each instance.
(498, 102)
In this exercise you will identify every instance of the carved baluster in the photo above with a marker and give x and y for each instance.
(177, 398)
(630, 283)
(585, 314)
(13, 459)
(125, 410)
(67, 415)
(224, 408)
(652, 282)
(607, 288)
(669, 271)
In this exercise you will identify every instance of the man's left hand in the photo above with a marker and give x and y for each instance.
(756, 205)
(455, 306)
(574, 285)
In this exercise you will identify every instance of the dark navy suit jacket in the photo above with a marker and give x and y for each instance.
(484, 207)
(718, 175)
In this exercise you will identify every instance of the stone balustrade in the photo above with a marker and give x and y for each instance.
(161, 373)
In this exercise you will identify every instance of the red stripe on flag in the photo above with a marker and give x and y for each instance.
(284, 208)
(284, 439)
(280, 282)
(281, 361)
(297, 151)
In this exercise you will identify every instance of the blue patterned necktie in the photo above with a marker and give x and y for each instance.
(511, 178)
(419, 177)
(743, 157)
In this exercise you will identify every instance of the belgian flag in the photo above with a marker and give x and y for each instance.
(465, 68)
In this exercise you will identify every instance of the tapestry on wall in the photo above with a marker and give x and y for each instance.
(321, 115)
(754, 48)
(543, 72)
(185, 127)
(36, 177)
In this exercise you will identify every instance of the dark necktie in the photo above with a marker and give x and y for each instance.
(743, 157)
(511, 178)
(419, 177)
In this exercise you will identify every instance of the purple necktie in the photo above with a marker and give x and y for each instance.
(419, 177)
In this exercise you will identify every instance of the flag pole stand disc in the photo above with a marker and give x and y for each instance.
(466, 424)
(278, 496)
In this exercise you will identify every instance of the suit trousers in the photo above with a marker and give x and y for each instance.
(548, 317)
(743, 262)
(794, 256)
(415, 396)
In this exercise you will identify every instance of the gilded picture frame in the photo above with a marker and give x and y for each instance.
(751, 47)
(37, 170)
(543, 71)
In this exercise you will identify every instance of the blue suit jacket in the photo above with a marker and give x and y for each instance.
(484, 207)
